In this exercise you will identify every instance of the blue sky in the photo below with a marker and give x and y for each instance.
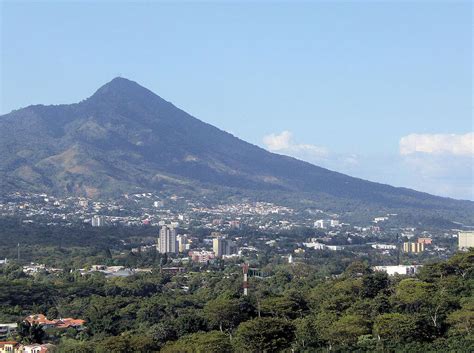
(380, 90)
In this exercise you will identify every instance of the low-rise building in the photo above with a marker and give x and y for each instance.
(15, 347)
(173, 270)
(36, 348)
(201, 256)
(425, 240)
(9, 347)
(315, 245)
(384, 246)
(64, 323)
(398, 269)
(7, 330)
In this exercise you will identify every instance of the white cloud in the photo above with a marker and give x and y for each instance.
(441, 164)
(283, 143)
(438, 144)
(438, 164)
(277, 142)
(440, 174)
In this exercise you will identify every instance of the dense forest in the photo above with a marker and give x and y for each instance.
(290, 308)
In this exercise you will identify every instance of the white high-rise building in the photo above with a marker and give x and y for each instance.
(322, 224)
(97, 221)
(167, 242)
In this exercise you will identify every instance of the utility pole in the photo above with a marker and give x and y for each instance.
(245, 270)
(398, 249)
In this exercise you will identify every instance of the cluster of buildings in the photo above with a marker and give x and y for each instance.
(114, 271)
(15, 347)
(314, 243)
(64, 323)
(326, 223)
(109, 271)
(11, 329)
(33, 269)
(406, 270)
(169, 242)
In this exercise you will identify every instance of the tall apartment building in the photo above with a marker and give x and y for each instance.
(465, 240)
(222, 246)
(98, 221)
(183, 243)
(167, 242)
(414, 248)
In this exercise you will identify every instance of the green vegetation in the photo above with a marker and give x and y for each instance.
(125, 138)
(294, 308)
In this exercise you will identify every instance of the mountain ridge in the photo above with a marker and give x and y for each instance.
(125, 137)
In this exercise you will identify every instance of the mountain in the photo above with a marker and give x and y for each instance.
(125, 138)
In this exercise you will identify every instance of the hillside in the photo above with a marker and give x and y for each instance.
(125, 138)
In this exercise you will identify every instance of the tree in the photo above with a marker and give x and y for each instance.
(163, 332)
(31, 333)
(116, 344)
(395, 327)
(68, 345)
(373, 284)
(209, 342)
(357, 269)
(189, 321)
(347, 330)
(462, 320)
(223, 313)
(307, 337)
(282, 307)
(411, 294)
(264, 335)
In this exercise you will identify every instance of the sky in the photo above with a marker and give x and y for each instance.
(380, 90)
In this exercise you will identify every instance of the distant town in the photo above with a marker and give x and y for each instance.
(172, 237)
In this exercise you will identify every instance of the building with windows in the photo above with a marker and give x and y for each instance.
(201, 256)
(465, 240)
(222, 246)
(398, 269)
(7, 330)
(183, 243)
(98, 221)
(322, 224)
(9, 347)
(384, 246)
(425, 240)
(167, 241)
(414, 248)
